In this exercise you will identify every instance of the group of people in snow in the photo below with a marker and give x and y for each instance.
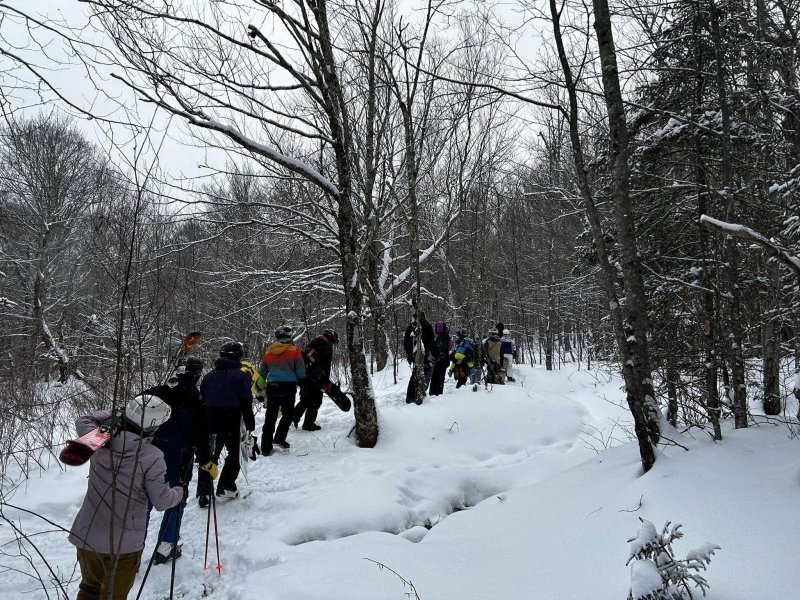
(186, 424)
(149, 461)
(463, 357)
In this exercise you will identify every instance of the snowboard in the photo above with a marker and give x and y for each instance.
(76, 452)
(339, 398)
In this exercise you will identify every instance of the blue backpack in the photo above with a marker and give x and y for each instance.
(466, 344)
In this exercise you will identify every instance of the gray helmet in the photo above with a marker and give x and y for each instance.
(284, 333)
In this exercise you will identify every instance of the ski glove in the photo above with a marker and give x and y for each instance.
(211, 469)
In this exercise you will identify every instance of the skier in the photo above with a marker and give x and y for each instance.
(109, 529)
(226, 393)
(318, 356)
(282, 369)
(463, 363)
(428, 348)
(182, 439)
(492, 347)
(443, 347)
(508, 349)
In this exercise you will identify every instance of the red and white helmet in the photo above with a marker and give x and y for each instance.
(147, 412)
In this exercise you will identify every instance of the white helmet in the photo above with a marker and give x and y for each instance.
(147, 412)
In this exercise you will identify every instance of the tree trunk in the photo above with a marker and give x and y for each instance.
(364, 402)
(639, 382)
(731, 254)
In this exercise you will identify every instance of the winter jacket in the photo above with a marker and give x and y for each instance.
(442, 346)
(226, 393)
(507, 345)
(187, 425)
(140, 474)
(282, 363)
(318, 357)
(493, 347)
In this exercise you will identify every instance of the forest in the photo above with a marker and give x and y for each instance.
(546, 164)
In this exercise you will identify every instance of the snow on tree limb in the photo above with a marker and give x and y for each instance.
(770, 247)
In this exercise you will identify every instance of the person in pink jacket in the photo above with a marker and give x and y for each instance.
(109, 530)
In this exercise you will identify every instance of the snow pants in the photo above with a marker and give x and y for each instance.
(230, 441)
(508, 364)
(280, 398)
(179, 472)
(310, 403)
(437, 376)
(95, 568)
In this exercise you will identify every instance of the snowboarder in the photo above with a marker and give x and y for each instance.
(443, 348)
(428, 348)
(226, 393)
(508, 349)
(183, 438)
(492, 347)
(318, 356)
(109, 529)
(282, 369)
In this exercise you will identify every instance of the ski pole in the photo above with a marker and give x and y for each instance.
(186, 475)
(208, 531)
(175, 554)
(162, 530)
(216, 534)
(159, 538)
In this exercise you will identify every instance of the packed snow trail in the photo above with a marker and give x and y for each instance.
(447, 455)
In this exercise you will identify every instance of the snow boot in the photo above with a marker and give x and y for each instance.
(223, 493)
(311, 427)
(165, 552)
(284, 445)
(203, 501)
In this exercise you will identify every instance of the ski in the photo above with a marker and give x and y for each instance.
(76, 452)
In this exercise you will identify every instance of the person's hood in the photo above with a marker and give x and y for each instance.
(126, 443)
(279, 347)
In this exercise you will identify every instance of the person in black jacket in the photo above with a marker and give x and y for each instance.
(429, 349)
(442, 343)
(318, 356)
(182, 438)
(229, 400)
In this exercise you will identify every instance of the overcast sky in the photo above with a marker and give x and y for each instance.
(91, 89)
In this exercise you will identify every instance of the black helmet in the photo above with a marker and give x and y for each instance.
(193, 365)
(331, 336)
(233, 350)
(284, 333)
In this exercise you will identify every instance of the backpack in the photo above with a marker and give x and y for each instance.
(443, 344)
(440, 327)
(466, 344)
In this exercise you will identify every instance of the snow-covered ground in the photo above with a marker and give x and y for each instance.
(499, 493)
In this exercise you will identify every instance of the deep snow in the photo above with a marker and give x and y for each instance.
(494, 494)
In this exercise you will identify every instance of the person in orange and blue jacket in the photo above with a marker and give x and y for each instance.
(282, 370)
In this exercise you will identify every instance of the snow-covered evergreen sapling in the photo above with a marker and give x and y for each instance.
(655, 572)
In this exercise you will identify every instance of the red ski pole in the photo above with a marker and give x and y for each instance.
(216, 534)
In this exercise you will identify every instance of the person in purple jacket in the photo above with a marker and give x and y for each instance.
(109, 529)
